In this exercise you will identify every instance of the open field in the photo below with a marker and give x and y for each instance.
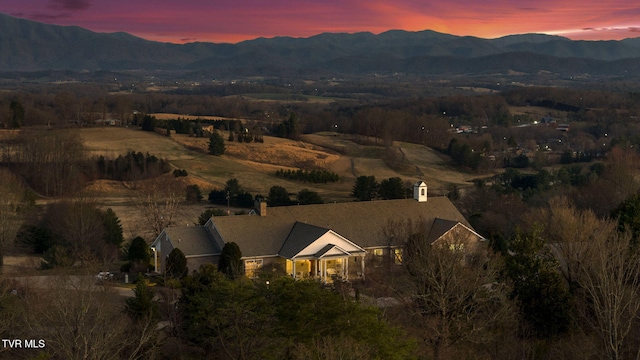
(166, 116)
(536, 111)
(254, 165)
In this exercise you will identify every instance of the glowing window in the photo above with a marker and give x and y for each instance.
(456, 247)
(251, 267)
(397, 256)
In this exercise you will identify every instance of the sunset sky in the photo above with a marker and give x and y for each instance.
(236, 20)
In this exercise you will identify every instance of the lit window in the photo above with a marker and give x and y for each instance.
(456, 247)
(251, 267)
(397, 256)
(378, 252)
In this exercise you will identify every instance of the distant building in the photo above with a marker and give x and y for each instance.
(110, 122)
(547, 119)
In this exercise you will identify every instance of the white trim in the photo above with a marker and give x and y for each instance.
(259, 263)
(200, 255)
(482, 238)
(329, 239)
(261, 257)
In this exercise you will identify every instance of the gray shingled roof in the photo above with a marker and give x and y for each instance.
(192, 240)
(301, 236)
(439, 228)
(360, 222)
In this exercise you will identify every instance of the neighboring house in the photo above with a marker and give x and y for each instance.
(325, 241)
(208, 129)
(196, 242)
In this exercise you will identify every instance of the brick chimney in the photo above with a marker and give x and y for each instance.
(260, 207)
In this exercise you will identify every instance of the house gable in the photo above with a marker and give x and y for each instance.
(331, 250)
(454, 235)
(197, 244)
(312, 242)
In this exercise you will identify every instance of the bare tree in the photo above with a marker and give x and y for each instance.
(11, 310)
(51, 160)
(158, 201)
(603, 268)
(11, 200)
(81, 320)
(454, 294)
(567, 231)
(609, 281)
(80, 223)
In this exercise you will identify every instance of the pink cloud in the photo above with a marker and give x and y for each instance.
(237, 20)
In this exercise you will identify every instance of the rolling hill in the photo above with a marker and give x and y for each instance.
(254, 166)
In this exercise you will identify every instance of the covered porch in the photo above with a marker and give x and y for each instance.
(327, 270)
(317, 253)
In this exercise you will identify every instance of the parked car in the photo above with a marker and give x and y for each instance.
(104, 275)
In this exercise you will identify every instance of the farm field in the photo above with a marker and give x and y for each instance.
(254, 165)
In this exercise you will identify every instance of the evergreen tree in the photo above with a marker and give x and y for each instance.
(233, 187)
(543, 297)
(628, 216)
(176, 264)
(207, 214)
(216, 144)
(139, 251)
(275, 319)
(365, 188)
(113, 228)
(278, 196)
(230, 260)
(392, 188)
(17, 114)
(306, 197)
(149, 123)
(289, 128)
(141, 306)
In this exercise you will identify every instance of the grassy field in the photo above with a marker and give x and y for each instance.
(254, 165)
(165, 116)
(536, 111)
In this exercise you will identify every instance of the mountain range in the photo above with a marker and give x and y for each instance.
(27, 46)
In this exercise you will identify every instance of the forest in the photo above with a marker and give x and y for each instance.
(558, 206)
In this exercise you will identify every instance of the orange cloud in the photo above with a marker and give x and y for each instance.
(237, 20)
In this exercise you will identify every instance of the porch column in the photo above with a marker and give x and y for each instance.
(324, 270)
(293, 271)
(316, 269)
(155, 259)
(362, 262)
(346, 269)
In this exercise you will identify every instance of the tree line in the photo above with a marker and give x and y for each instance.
(131, 166)
(72, 231)
(54, 162)
(234, 195)
(606, 117)
(313, 176)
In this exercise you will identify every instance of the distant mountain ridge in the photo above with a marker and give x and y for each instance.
(31, 46)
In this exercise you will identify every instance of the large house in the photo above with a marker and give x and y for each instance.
(326, 241)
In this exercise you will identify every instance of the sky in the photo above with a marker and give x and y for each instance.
(232, 21)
